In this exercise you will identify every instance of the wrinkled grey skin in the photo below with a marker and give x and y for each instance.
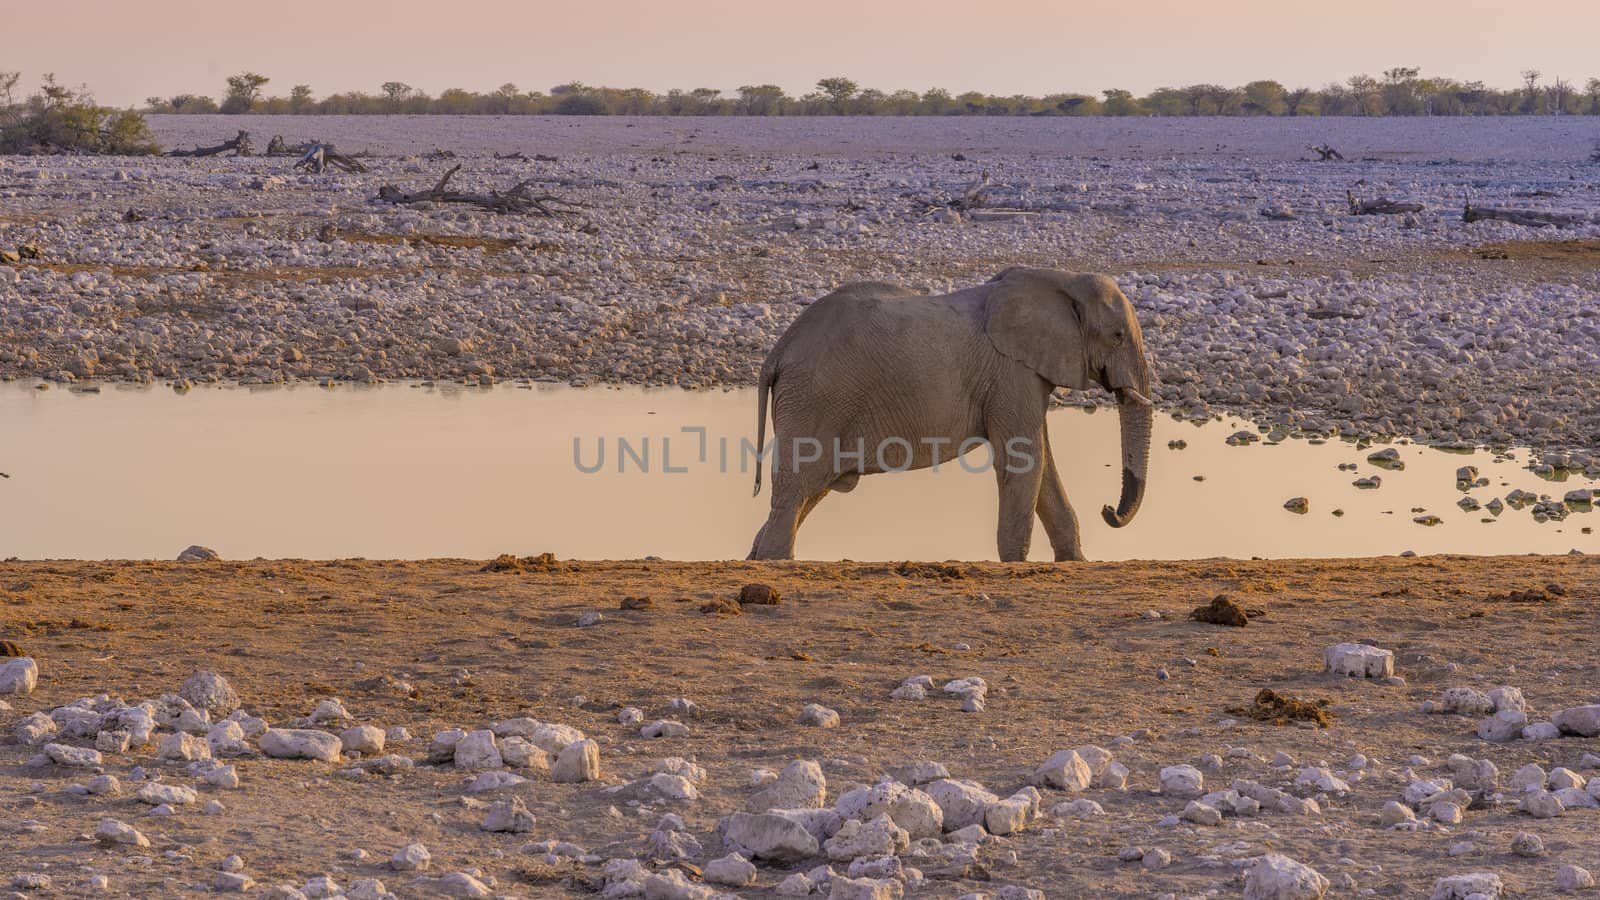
(871, 362)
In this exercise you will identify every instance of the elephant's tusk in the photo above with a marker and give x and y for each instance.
(1135, 396)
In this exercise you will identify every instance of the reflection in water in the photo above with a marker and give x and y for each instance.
(413, 471)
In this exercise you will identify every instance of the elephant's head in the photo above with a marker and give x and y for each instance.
(1074, 331)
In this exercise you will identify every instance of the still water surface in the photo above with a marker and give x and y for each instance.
(412, 471)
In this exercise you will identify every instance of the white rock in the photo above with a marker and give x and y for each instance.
(768, 836)
(520, 754)
(65, 755)
(494, 781)
(329, 711)
(1583, 721)
(225, 738)
(225, 777)
(113, 741)
(363, 739)
(664, 728)
(1182, 781)
(818, 716)
(963, 803)
(1065, 770)
(796, 885)
(461, 884)
(732, 870)
(1504, 725)
(1573, 878)
(865, 889)
(552, 737)
(856, 839)
(1542, 805)
(510, 815)
(1395, 813)
(155, 793)
(1077, 809)
(1476, 885)
(19, 675)
(578, 762)
(296, 743)
(1358, 661)
(910, 808)
(1007, 816)
(1201, 814)
(478, 750)
(104, 785)
(1562, 777)
(442, 748)
(1317, 779)
(1530, 777)
(1277, 877)
(1506, 697)
(1541, 731)
(210, 692)
(800, 785)
(1467, 702)
(412, 857)
(113, 832)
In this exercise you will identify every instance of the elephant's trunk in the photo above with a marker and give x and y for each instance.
(1136, 415)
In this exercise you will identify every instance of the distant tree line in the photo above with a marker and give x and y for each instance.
(1402, 91)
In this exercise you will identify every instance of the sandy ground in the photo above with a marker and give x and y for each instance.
(1069, 655)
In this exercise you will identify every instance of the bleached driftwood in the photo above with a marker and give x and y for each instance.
(318, 157)
(1531, 218)
(1324, 152)
(516, 199)
(240, 145)
(1382, 206)
(277, 147)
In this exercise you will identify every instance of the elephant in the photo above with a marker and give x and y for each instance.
(874, 378)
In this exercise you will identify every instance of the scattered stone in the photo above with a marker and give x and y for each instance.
(1358, 661)
(1473, 886)
(1182, 781)
(1277, 877)
(19, 675)
(578, 762)
(769, 836)
(113, 832)
(210, 692)
(363, 739)
(412, 857)
(1504, 725)
(510, 816)
(1064, 770)
(197, 553)
(801, 785)
(818, 716)
(1573, 878)
(664, 728)
(294, 743)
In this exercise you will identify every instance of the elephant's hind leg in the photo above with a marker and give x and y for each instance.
(1060, 522)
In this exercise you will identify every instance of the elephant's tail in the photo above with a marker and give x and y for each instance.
(763, 391)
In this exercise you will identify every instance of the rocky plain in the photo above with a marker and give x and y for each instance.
(541, 728)
(693, 243)
(534, 727)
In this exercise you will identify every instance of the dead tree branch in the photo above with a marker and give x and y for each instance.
(1382, 206)
(516, 199)
(1531, 218)
(1324, 152)
(318, 157)
(973, 197)
(240, 145)
(277, 147)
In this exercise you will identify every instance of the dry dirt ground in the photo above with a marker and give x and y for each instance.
(1069, 653)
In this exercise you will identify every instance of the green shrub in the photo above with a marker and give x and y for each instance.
(61, 120)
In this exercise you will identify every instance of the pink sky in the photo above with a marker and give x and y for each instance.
(163, 47)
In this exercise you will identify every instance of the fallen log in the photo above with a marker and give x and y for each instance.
(974, 196)
(1382, 206)
(240, 145)
(277, 147)
(1324, 152)
(1531, 218)
(516, 199)
(318, 157)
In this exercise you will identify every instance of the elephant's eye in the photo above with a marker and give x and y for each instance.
(1119, 336)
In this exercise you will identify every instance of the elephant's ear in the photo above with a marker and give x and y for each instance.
(1030, 317)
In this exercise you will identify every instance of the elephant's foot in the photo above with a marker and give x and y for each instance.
(1072, 554)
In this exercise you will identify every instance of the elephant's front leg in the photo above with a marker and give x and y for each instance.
(1020, 468)
(1060, 522)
